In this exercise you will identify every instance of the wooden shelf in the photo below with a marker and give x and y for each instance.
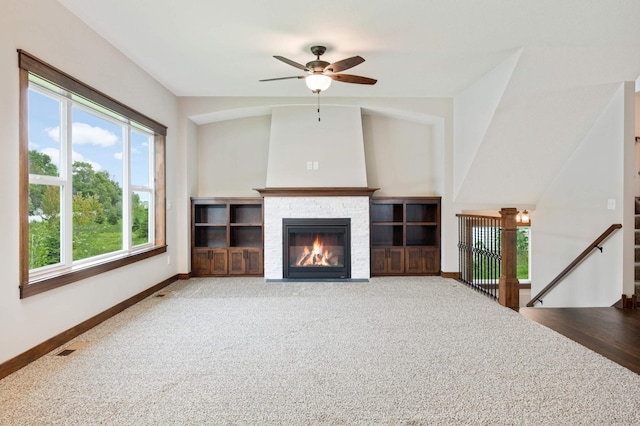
(405, 235)
(226, 236)
(316, 192)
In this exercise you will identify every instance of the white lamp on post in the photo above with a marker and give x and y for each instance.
(522, 218)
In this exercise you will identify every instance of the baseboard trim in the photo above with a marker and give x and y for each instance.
(185, 276)
(454, 275)
(22, 360)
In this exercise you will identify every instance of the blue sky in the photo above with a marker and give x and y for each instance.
(95, 140)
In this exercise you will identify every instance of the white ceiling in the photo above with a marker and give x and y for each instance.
(568, 57)
(415, 48)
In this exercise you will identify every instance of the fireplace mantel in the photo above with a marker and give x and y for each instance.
(316, 192)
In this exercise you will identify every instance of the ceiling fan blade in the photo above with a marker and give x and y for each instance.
(344, 64)
(348, 78)
(292, 63)
(282, 78)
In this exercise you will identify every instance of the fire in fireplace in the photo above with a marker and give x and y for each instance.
(316, 248)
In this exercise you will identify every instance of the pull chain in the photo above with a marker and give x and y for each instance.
(318, 106)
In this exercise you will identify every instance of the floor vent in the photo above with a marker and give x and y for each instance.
(72, 348)
(163, 293)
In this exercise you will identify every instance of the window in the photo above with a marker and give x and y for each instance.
(92, 180)
(523, 253)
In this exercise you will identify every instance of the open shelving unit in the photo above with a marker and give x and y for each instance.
(226, 236)
(405, 235)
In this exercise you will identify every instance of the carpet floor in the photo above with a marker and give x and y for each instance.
(392, 351)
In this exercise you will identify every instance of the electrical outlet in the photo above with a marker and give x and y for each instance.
(315, 165)
(611, 203)
(168, 260)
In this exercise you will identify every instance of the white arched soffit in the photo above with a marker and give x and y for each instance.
(246, 112)
(437, 123)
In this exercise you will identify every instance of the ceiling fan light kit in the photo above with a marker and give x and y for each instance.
(318, 82)
(321, 73)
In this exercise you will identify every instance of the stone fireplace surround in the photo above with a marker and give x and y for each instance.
(350, 203)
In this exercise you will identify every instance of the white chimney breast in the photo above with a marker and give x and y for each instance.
(333, 146)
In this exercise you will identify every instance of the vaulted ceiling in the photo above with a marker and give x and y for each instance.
(415, 48)
(548, 67)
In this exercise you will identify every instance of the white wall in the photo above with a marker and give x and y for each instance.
(637, 145)
(474, 109)
(232, 157)
(332, 146)
(573, 212)
(637, 99)
(48, 31)
(418, 131)
(187, 167)
(403, 157)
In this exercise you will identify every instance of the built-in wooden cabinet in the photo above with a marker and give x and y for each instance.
(226, 236)
(387, 261)
(209, 261)
(245, 261)
(405, 236)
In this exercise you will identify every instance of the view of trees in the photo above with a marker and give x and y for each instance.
(522, 253)
(97, 213)
(482, 271)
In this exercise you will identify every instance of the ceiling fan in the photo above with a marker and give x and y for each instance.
(320, 73)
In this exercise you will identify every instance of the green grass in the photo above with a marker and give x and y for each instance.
(94, 240)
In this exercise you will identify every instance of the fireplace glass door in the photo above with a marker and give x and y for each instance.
(316, 248)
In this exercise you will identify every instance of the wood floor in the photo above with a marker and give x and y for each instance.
(611, 332)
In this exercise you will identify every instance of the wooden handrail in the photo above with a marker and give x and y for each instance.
(575, 263)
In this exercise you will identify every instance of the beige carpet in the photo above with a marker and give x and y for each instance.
(394, 351)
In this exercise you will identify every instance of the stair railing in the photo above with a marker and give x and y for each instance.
(487, 255)
(576, 262)
(479, 252)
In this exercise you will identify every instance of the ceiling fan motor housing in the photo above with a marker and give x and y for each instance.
(318, 50)
(317, 66)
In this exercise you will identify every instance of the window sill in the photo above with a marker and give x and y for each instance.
(51, 282)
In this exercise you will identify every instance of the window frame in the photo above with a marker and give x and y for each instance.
(29, 286)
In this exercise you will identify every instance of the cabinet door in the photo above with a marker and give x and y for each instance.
(431, 257)
(245, 261)
(219, 262)
(236, 261)
(422, 260)
(387, 261)
(395, 261)
(414, 260)
(253, 263)
(201, 262)
(378, 261)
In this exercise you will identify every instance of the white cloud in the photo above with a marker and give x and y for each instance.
(76, 156)
(54, 153)
(118, 155)
(86, 134)
(54, 133)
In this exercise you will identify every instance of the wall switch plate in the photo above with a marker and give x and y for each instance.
(611, 203)
(315, 165)
(309, 165)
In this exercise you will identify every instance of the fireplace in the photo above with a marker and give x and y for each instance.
(316, 248)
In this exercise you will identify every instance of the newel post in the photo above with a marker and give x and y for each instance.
(509, 286)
